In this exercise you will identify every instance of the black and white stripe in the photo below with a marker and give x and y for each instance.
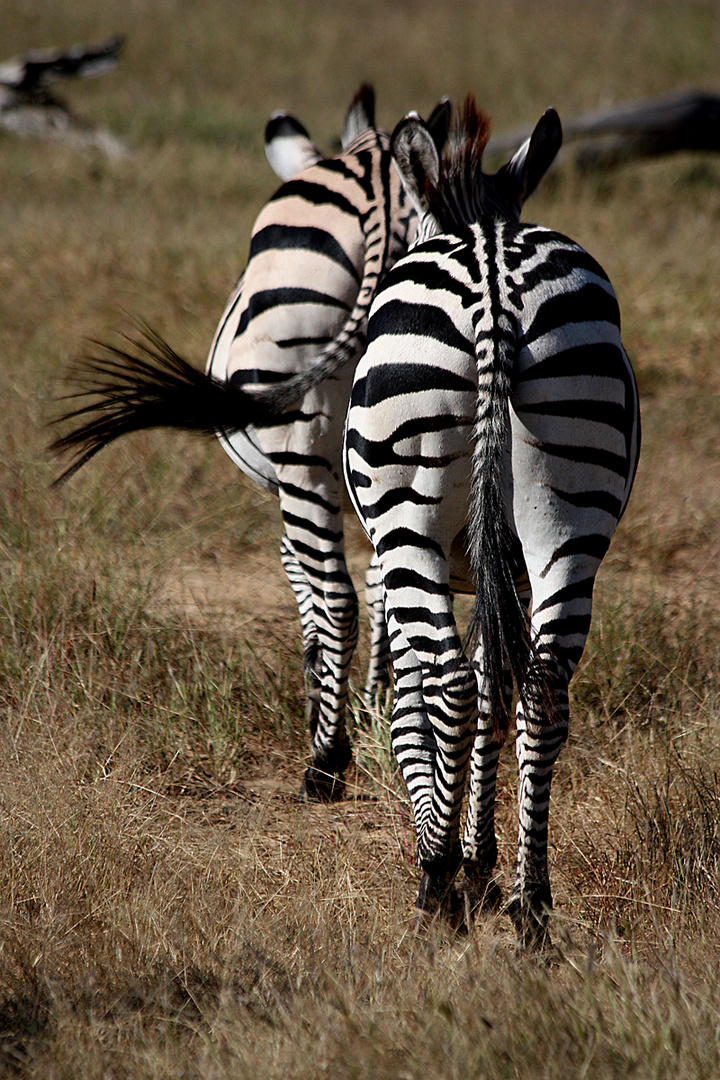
(493, 433)
(278, 382)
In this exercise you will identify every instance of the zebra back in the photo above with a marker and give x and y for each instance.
(452, 195)
(351, 210)
(362, 193)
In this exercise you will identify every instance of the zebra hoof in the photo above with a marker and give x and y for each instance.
(480, 892)
(530, 916)
(321, 786)
(439, 901)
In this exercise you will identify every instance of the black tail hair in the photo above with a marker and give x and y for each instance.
(499, 619)
(146, 384)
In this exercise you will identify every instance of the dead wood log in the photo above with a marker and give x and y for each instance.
(29, 107)
(686, 121)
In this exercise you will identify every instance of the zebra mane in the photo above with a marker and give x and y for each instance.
(457, 198)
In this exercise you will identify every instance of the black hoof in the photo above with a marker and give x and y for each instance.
(479, 890)
(530, 916)
(321, 786)
(439, 900)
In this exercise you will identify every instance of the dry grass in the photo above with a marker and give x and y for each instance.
(167, 908)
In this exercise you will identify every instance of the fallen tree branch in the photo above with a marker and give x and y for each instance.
(686, 121)
(28, 107)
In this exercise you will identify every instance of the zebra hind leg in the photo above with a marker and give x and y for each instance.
(415, 747)
(311, 644)
(336, 620)
(323, 780)
(540, 738)
(313, 682)
(450, 695)
(478, 885)
(378, 676)
(439, 899)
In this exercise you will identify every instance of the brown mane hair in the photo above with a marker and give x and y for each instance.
(457, 200)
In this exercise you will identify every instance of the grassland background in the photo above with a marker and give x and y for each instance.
(166, 907)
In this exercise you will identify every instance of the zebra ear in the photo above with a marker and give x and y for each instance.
(288, 146)
(439, 122)
(360, 116)
(526, 169)
(416, 158)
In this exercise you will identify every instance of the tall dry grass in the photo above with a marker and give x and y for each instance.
(167, 908)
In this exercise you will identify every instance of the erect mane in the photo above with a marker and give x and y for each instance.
(457, 200)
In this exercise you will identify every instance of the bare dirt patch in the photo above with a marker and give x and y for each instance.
(228, 591)
(245, 591)
(247, 596)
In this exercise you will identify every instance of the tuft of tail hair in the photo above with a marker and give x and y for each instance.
(499, 620)
(144, 384)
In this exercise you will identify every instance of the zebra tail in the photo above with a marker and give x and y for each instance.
(146, 384)
(499, 621)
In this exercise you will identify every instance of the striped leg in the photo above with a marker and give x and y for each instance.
(432, 730)
(378, 676)
(413, 740)
(479, 842)
(314, 536)
(537, 748)
(562, 605)
(336, 613)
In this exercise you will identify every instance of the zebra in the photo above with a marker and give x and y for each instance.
(491, 443)
(277, 384)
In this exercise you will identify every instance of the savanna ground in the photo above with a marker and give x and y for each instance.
(167, 907)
